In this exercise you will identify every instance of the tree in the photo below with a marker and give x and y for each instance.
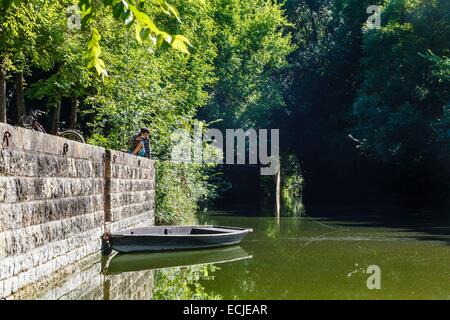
(31, 31)
(401, 97)
(366, 105)
(325, 74)
(252, 54)
(440, 76)
(69, 77)
(17, 48)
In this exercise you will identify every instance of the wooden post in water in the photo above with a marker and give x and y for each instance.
(278, 191)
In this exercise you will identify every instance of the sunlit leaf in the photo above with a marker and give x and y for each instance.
(138, 29)
(144, 33)
(180, 43)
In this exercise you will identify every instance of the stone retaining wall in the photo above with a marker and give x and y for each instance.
(130, 191)
(56, 199)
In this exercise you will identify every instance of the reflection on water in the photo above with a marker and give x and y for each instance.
(145, 261)
(184, 283)
(287, 258)
(292, 205)
(177, 275)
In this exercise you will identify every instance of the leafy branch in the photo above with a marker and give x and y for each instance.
(129, 14)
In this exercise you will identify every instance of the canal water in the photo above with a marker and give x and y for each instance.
(344, 257)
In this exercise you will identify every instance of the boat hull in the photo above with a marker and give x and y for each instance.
(128, 241)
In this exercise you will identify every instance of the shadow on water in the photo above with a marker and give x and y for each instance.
(416, 223)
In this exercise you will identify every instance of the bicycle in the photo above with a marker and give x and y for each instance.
(30, 121)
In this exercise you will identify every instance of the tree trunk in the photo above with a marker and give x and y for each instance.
(55, 116)
(20, 99)
(278, 193)
(2, 94)
(73, 112)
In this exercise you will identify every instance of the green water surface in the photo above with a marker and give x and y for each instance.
(301, 258)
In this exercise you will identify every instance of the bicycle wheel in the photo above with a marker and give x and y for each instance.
(72, 135)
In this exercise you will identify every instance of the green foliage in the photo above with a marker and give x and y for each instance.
(442, 128)
(180, 189)
(291, 176)
(159, 90)
(440, 71)
(164, 91)
(404, 86)
(324, 74)
(310, 68)
(367, 105)
(129, 14)
(94, 52)
(18, 34)
(144, 87)
(252, 53)
(440, 75)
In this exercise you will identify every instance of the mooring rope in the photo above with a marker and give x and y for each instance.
(314, 239)
(324, 225)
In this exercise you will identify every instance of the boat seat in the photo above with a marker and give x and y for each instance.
(208, 231)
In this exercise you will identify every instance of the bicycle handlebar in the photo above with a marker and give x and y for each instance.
(37, 112)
